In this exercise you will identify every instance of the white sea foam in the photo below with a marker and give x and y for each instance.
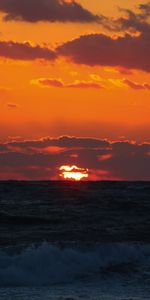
(49, 264)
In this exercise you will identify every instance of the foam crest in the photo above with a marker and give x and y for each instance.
(49, 264)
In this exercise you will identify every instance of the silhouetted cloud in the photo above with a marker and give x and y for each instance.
(57, 82)
(25, 51)
(132, 21)
(125, 52)
(128, 51)
(41, 159)
(135, 21)
(46, 10)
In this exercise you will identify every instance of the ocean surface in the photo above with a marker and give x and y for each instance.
(74, 240)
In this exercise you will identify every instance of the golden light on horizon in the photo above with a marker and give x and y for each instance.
(73, 173)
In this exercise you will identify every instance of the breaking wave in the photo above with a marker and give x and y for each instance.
(49, 264)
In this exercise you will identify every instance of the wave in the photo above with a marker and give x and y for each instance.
(50, 264)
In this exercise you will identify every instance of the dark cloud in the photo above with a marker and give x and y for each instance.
(25, 51)
(145, 8)
(128, 51)
(132, 21)
(105, 160)
(46, 10)
(64, 142)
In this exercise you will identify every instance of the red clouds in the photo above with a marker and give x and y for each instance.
(105, 160)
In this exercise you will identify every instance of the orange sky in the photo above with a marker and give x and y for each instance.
(75, 68)
(31, 110)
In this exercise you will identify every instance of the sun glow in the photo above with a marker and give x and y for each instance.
(73, 173)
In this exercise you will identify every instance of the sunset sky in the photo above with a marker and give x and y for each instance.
(75, 88)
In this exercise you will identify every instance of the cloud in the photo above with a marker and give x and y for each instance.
(145, 8)
(125, 71)
(84, 84)
(122, 83)
(48, 82)
(63, 142)
(136, 21)
(57, 82)
(25, 51)
(131, 21)
(105, 160)
(117, 82)
(46, 10)
(131, 52)
(136, 86)
(12, 105)
(124, 52)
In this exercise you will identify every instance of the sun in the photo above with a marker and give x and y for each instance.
(73, 173)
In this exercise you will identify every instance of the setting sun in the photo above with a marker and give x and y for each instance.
(73, 173)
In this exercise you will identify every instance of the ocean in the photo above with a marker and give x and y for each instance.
(74, 240)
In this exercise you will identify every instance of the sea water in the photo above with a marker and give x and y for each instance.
(74, 240)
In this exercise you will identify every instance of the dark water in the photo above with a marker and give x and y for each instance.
(80, 234)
